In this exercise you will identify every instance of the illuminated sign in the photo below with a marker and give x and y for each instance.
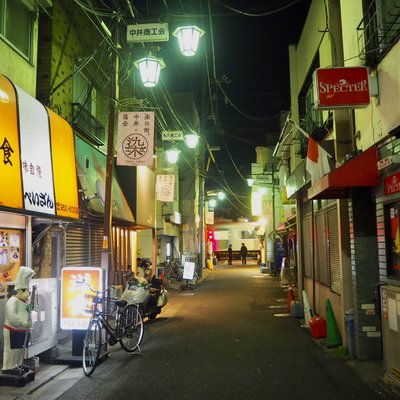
(37, 156)
(76, 295)
(346, 87)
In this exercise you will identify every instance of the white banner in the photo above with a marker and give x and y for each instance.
(36, 166)
(135, 138)
(165, 186)
(154, 32)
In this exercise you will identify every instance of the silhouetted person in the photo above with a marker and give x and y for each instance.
(243, 253)
(230, 254)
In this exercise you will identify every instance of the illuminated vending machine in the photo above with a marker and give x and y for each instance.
(390, 303)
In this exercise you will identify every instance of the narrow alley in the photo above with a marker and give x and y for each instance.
(229, 338)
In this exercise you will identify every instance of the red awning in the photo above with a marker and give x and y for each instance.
(361, 171)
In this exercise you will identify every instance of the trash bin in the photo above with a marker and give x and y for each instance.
(349, 320)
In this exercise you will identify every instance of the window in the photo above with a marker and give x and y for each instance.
(392, 230)
(84, 109)
(248, 235)
(16, 25)
(378, 29)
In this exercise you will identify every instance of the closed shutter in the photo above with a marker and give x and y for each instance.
(77, 246)
(321, 243)
(307, 246)
(334, 251)
(96, 244)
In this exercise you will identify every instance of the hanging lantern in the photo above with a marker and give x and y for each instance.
(188, 38)
(191, 140)
(172, 155)
(149, 68)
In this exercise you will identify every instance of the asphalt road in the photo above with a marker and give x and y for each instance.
(221, 341)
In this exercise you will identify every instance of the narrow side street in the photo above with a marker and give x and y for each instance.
(223, 340)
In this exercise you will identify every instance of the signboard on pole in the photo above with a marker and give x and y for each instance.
(135, 138)
(165, 186)
(154, 32)
(346, 87)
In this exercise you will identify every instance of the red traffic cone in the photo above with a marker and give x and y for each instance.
(290, 298)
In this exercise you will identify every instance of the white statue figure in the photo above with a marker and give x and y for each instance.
(17, 323)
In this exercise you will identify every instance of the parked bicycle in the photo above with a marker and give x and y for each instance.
(175, 271)
(124, 326)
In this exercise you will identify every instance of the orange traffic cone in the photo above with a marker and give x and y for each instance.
(290, 298)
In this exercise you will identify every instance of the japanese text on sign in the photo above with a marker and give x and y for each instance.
(135, 138)
(147, 33)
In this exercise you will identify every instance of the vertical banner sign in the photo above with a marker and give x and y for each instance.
(37, 173)
(135, 138)
(10, 167)
(165, 185)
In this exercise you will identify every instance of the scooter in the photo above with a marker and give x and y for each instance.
(147, 291)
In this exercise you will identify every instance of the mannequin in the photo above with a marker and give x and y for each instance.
(16, 325)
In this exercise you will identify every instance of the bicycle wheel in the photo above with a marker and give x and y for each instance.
(91, 347)
(131, 328)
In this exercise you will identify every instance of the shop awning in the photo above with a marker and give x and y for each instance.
(361, 171)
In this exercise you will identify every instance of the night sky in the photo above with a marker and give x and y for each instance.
(239, 79)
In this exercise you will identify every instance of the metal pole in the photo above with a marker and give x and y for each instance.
(107, 259)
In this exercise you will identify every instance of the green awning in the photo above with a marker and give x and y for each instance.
(91, 170)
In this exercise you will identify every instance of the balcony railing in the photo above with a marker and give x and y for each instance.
(378, 30)
(86, 124)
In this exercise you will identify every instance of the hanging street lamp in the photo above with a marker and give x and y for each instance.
(149, 68)
(188, 38)
(191, 140)
(172, 155)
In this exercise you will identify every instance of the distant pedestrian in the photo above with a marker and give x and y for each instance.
(230, 254)
(243, 253)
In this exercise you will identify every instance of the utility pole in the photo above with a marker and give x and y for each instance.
(107, 259)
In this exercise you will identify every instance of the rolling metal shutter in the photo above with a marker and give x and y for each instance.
(77, 246)
(96, 244)
(334, 251)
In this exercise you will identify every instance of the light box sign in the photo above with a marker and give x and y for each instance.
(76, 295)
(337, 88)
(38, 156)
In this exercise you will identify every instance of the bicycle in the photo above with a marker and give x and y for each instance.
(127, 329)
(173, 270)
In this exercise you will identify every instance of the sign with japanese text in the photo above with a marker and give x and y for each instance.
(77, 296)
(346, 87)
(165, 185)
(392, 184)
(135, 138)
(38, 156)
(172, 136)
(10, 166)
(155, 32)
(37, 172)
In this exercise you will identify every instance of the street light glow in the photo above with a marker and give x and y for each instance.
(221, 195)
(188, 38)
(191, 140)
(149, 69)
(172, 155)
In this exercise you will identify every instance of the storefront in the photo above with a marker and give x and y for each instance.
(39, 188)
